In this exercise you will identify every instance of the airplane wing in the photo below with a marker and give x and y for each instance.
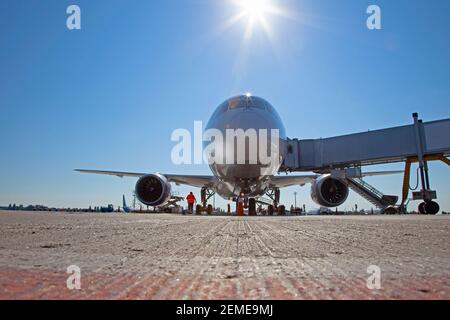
(287, 181)
(119, 174)
(192, 180)
(210, 181)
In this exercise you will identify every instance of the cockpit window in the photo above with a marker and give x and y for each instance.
(244, 102)
(235, 102)
(222, 108)
(256, 102)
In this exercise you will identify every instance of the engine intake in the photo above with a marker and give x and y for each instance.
(329, 192)
(153, 190)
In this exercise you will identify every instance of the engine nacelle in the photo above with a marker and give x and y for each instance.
(153, 189)
(329, 192)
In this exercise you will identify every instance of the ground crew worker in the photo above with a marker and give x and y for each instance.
(190, 198)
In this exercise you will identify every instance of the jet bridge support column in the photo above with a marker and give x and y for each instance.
(406, 178)
(426, 194)
(422, 164)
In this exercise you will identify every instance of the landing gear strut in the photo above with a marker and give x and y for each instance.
(274, 195)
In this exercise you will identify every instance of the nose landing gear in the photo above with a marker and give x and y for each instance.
(250, 203)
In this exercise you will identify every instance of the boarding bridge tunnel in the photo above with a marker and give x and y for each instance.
(343, 157)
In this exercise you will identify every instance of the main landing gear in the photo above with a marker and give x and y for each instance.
(205, 195)
(274, 195)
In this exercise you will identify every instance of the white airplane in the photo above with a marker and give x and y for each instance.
(241, 181)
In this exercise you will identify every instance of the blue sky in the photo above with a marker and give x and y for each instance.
(109, 95)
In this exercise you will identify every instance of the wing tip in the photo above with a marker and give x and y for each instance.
(81, 170)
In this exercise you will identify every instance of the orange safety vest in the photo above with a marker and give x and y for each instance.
(190, 198)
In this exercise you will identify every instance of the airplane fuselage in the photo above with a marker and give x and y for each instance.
(254, 113)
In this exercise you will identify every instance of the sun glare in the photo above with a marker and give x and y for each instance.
(257, 14)
(254, 8)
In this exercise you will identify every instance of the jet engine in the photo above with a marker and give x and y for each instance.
(329, 192)
(153, 189)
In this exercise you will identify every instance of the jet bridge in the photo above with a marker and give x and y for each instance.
(344, 155)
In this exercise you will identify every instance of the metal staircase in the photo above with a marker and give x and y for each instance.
(371, 194)
(264, 201)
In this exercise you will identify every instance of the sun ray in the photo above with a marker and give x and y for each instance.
(249, 30)
(256, 14)
(230, 22)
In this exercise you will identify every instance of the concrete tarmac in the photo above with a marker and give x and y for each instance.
(163, 256)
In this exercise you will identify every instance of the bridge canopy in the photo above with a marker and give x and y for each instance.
(372, 147)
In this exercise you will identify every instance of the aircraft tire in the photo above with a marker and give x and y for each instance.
(431, 207)
(421, 208)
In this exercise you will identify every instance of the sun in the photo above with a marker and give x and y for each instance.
(257, 13)
(254, 8)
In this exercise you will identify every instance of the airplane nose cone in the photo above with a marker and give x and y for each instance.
(244, 112)
(251, 165)
(251, 119)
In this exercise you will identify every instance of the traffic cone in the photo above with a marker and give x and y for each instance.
(240, 209)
